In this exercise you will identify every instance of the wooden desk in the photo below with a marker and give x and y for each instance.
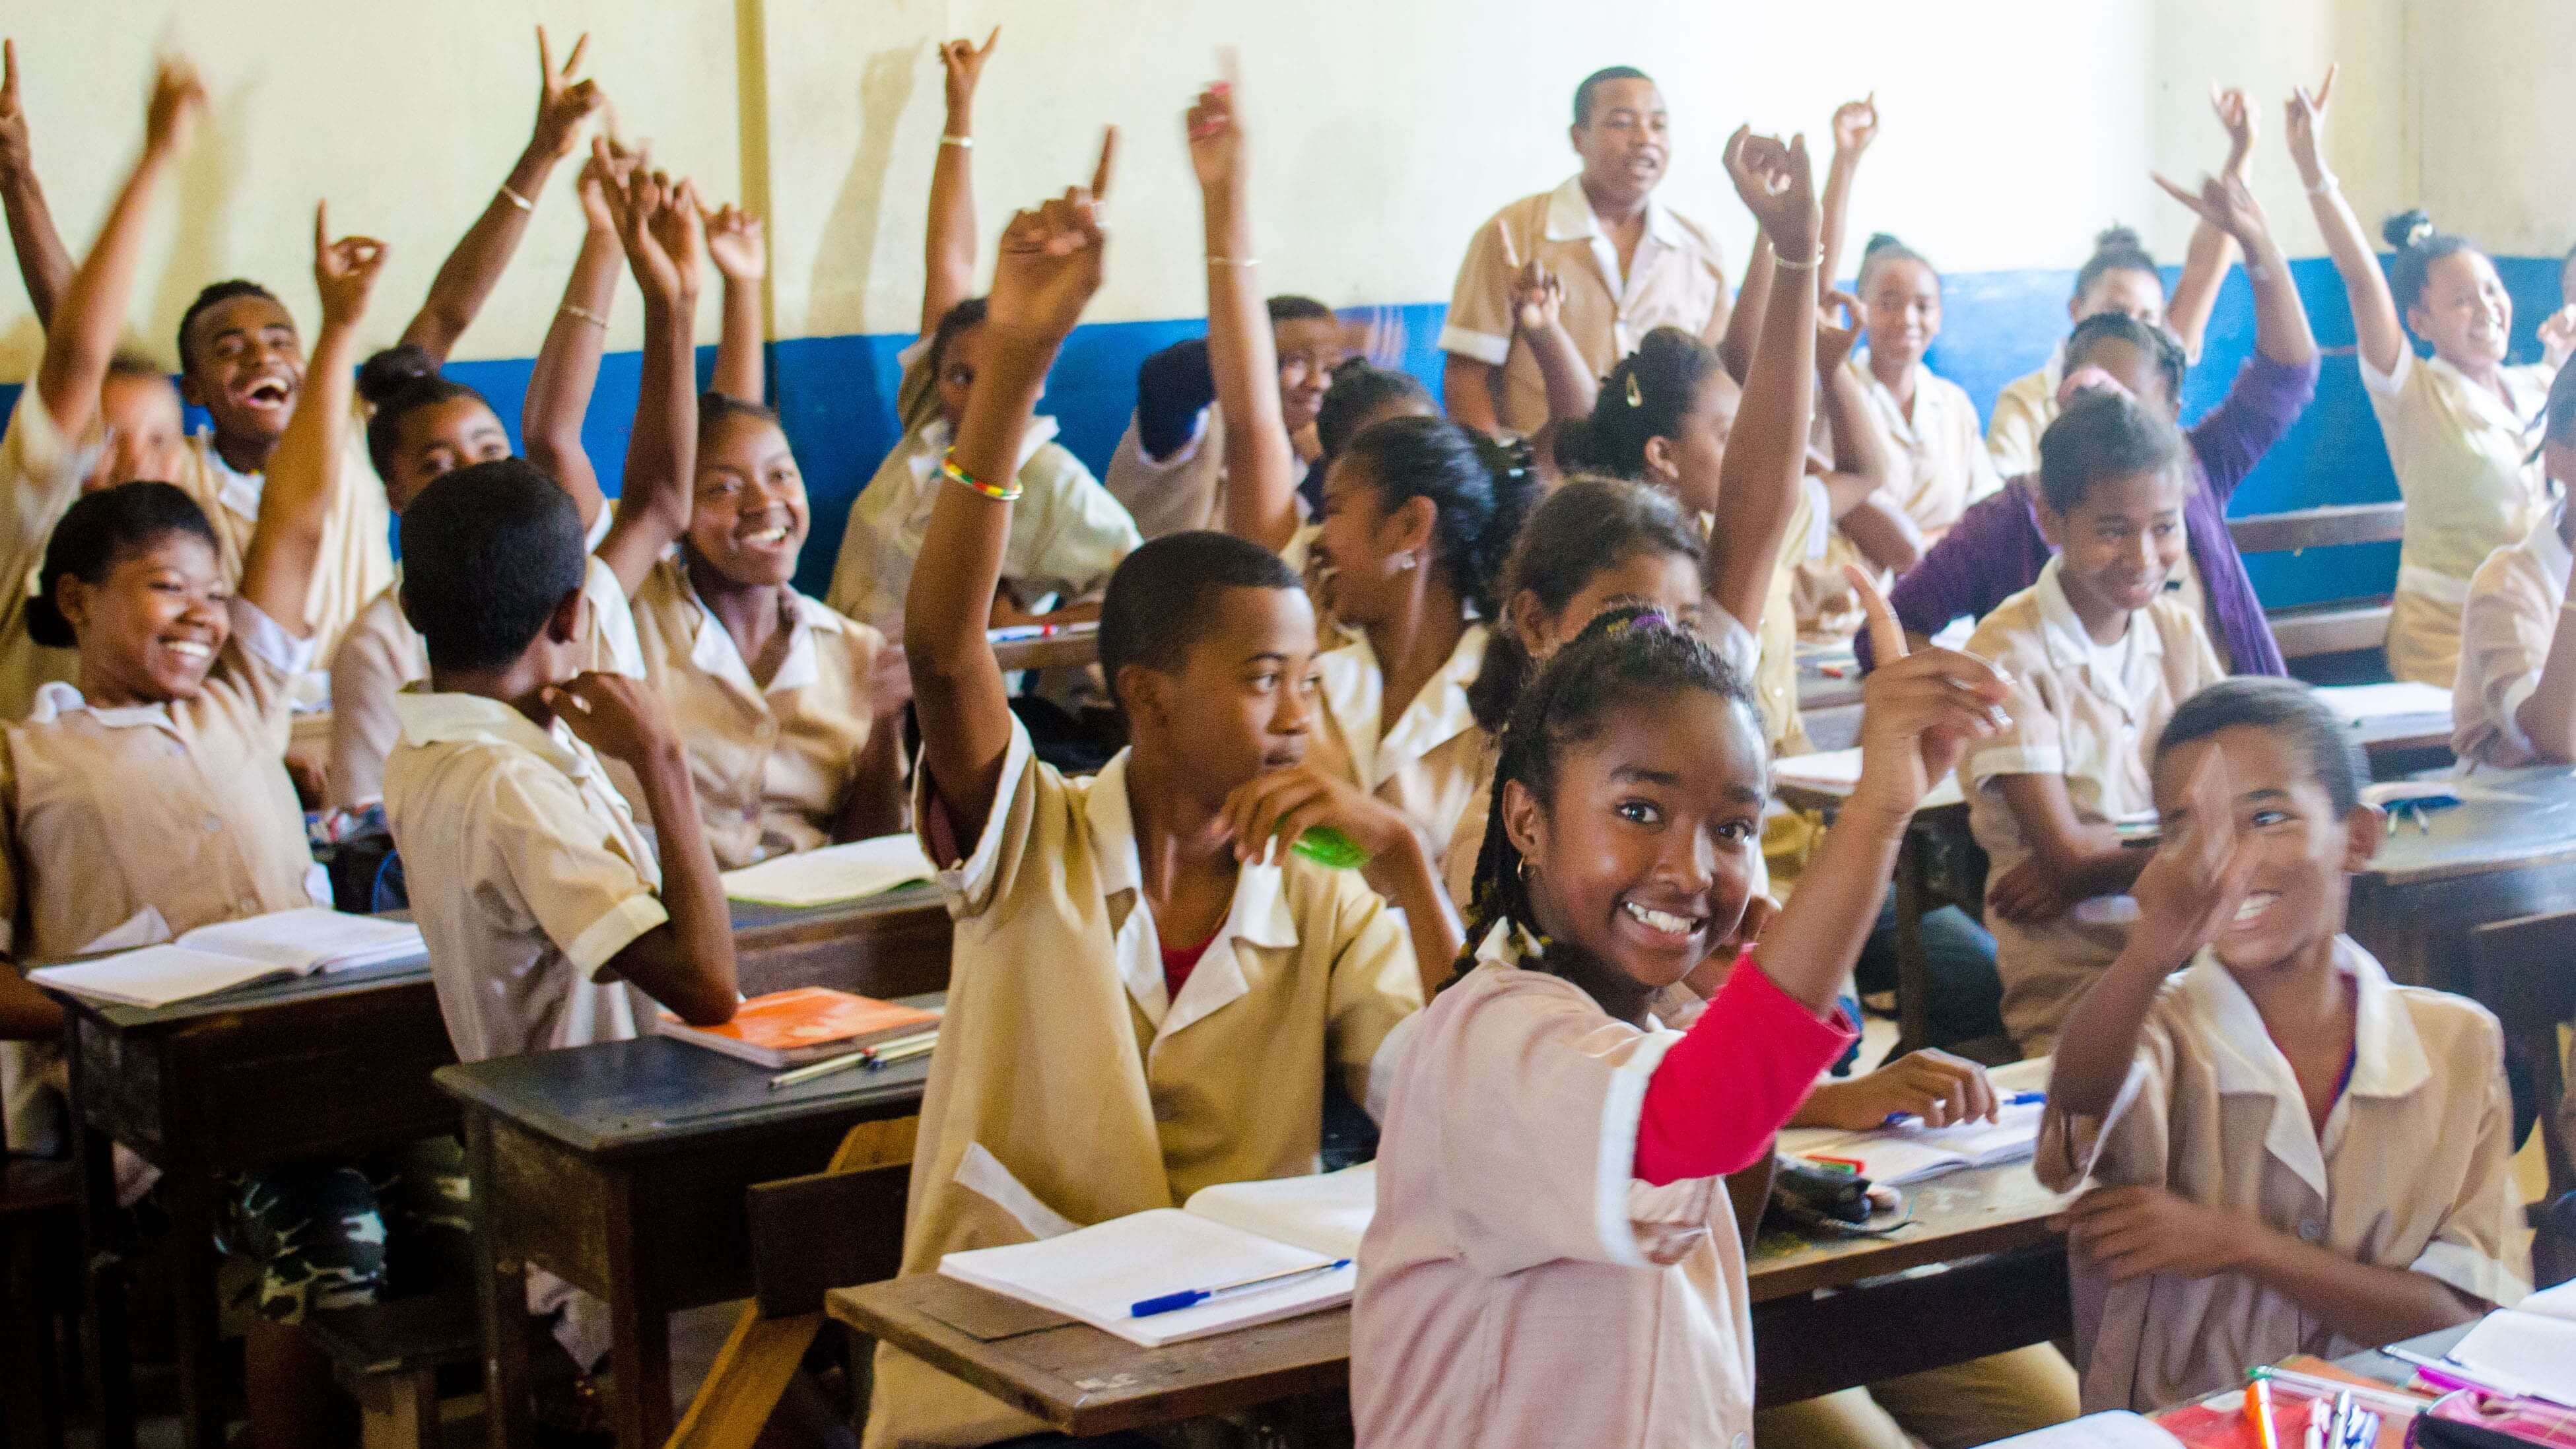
(621, 1169)
(1825, 1316)
(2505, 851)
(196, 1089)
(1071, 646)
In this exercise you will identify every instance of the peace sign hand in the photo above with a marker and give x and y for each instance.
(2236, 113)
(562, 102)
(2225, 202)
(2306, 116)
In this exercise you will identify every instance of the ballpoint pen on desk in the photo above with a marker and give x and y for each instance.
(1193, 1297)
(879, 1055)
(2011, 1099)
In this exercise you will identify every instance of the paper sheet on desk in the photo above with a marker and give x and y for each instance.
(2357, 704)
(2119, 1429)
(848, 872)
(2533, 1352)
(1838, 771)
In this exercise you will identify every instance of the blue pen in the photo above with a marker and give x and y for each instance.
(1193, 1297)
(2017, 1099)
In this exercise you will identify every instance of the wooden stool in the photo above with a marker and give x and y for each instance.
(40, 1245)
(388, 1356)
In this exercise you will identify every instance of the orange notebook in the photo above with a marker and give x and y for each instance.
(790, 1028)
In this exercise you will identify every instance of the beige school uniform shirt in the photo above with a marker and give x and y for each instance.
(2463, 461)
(2514, 607)
(1069, 1088)
(1067, 533)
(2023, 411)
(39, 476)
(1186, 490)
(772, 762)
(529, 874)
(1676, 278)
(1428, 761)
(2092, 713)
(1518, 1285)
(146, 821)
(2412, 1172)
(382, 654)
(1937, 464)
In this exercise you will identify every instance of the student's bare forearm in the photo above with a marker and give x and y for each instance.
(1467, 393)
(44, 263)
(1766, 457)
(1885, 534)
(2363, 1302)
(2100, 1038)
(286, 541)
(2281, 330)
(873, 804)
(701, 984)
(2375, 323)
(1836, 204)
(466, 279)
(2195, 293)
(738, 373)
(1570, 384)
(1752, 305)
(1818, 934)
(949, 252)
(1407, 876)
(1261, 488)
(89, 313)
(567, 371)
(1858, 450)
(653, 499)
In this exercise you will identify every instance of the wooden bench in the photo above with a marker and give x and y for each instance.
(388, 1355)
(40, 1244)
(2320, 631)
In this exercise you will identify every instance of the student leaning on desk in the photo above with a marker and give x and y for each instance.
(2288, 1154)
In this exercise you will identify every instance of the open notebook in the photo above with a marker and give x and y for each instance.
(230, 954)
(848, 872)
(1224, 1234)
(2531, 1349)
(1912, 1152)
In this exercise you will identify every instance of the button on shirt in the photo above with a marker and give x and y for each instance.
(2411, 1172)
(2514, 611)
(1676, 278)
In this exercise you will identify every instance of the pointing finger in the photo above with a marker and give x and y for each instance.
(1886, 636)
(1108, 157)
(2326, 87)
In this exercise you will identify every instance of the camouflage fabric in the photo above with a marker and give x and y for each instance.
(340, 1234)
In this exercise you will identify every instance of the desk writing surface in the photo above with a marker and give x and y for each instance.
(2506, 819)
(1956, 1215)
(653, 1094)
(752, 916)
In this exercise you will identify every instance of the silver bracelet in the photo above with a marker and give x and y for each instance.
(962, 143)
(1214, 260)
(2325, 183)
(1786, 265)
(584, 314)
(515, 199)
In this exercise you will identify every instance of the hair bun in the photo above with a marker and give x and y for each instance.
(1880, 240)
(2407, 228)
(387, 374)
(2120, 236)
(47, 626)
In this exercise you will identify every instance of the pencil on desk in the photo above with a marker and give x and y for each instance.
(823, 1068)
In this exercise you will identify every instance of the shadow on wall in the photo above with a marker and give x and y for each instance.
(836, 395)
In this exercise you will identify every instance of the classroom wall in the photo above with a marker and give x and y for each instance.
(1383, 135)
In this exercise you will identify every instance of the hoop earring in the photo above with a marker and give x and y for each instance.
(1523, 865)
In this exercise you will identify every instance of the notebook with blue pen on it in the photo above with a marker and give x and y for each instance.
(1228, 1234)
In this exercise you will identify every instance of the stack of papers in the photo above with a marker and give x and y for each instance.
(2530, 1349)
(1225, 1234)
(2364, 704)
(230, 954)
(1912, 1152)
(835, 873)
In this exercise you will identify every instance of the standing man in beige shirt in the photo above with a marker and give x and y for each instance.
(1629, 264)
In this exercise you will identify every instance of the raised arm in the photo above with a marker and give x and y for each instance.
(1243, 357)
(1744, 324)
(471, 271)
(1855, 126)
(286, 542)
(737, 243)
(44, 263)
(567, 365)
(1047, 267)
(1766, 455)
(1856, 483)
(1538, 315)
(90, 314)
(2280, 321)
(2204, 262)
(949, 256)
(2375, 323)
(657, 222)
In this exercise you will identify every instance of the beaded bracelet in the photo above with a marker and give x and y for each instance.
(949, 470)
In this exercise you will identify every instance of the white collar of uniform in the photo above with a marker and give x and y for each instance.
(712, 650)
(1570, 218)
(54, 699)
(2513, 418)
(1355, 691)
(236, 490)
(1258, 916)
(2548, 549)
(2068, 641)
(431, 717)
(930, 444)
(1674, 1008)
(255, 633)
(1883, 401)
(2388, 1056)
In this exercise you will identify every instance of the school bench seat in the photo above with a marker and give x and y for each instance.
(40, 1245)
(388, 1355)
(2320, 631)
(2519, 969)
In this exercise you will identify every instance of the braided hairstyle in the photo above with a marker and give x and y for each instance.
(1625, 655)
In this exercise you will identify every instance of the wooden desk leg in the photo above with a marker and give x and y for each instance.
(110, 1350)
(639, 1354)
(1913, 966)
(501, 1299)
(189, 1188)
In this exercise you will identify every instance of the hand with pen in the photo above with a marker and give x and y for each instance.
(1939, 1089)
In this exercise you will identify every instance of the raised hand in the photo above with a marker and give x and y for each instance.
(178, 102)
(737, 244)
(1538, 297)
(1778, 187)
(2304, 122)
(16, 154)
(1835, 339)
(2225, 202)
(1920, 713)
(964, 62)
(605, 173)
(344, 271)
(562, 102)
(620, 717)
(1855, 125)
(657, 223)
(1049, 260)
(1216, 138)
(2190, 889)
(2236, 114)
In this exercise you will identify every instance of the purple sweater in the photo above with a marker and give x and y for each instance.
(1995, 550)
